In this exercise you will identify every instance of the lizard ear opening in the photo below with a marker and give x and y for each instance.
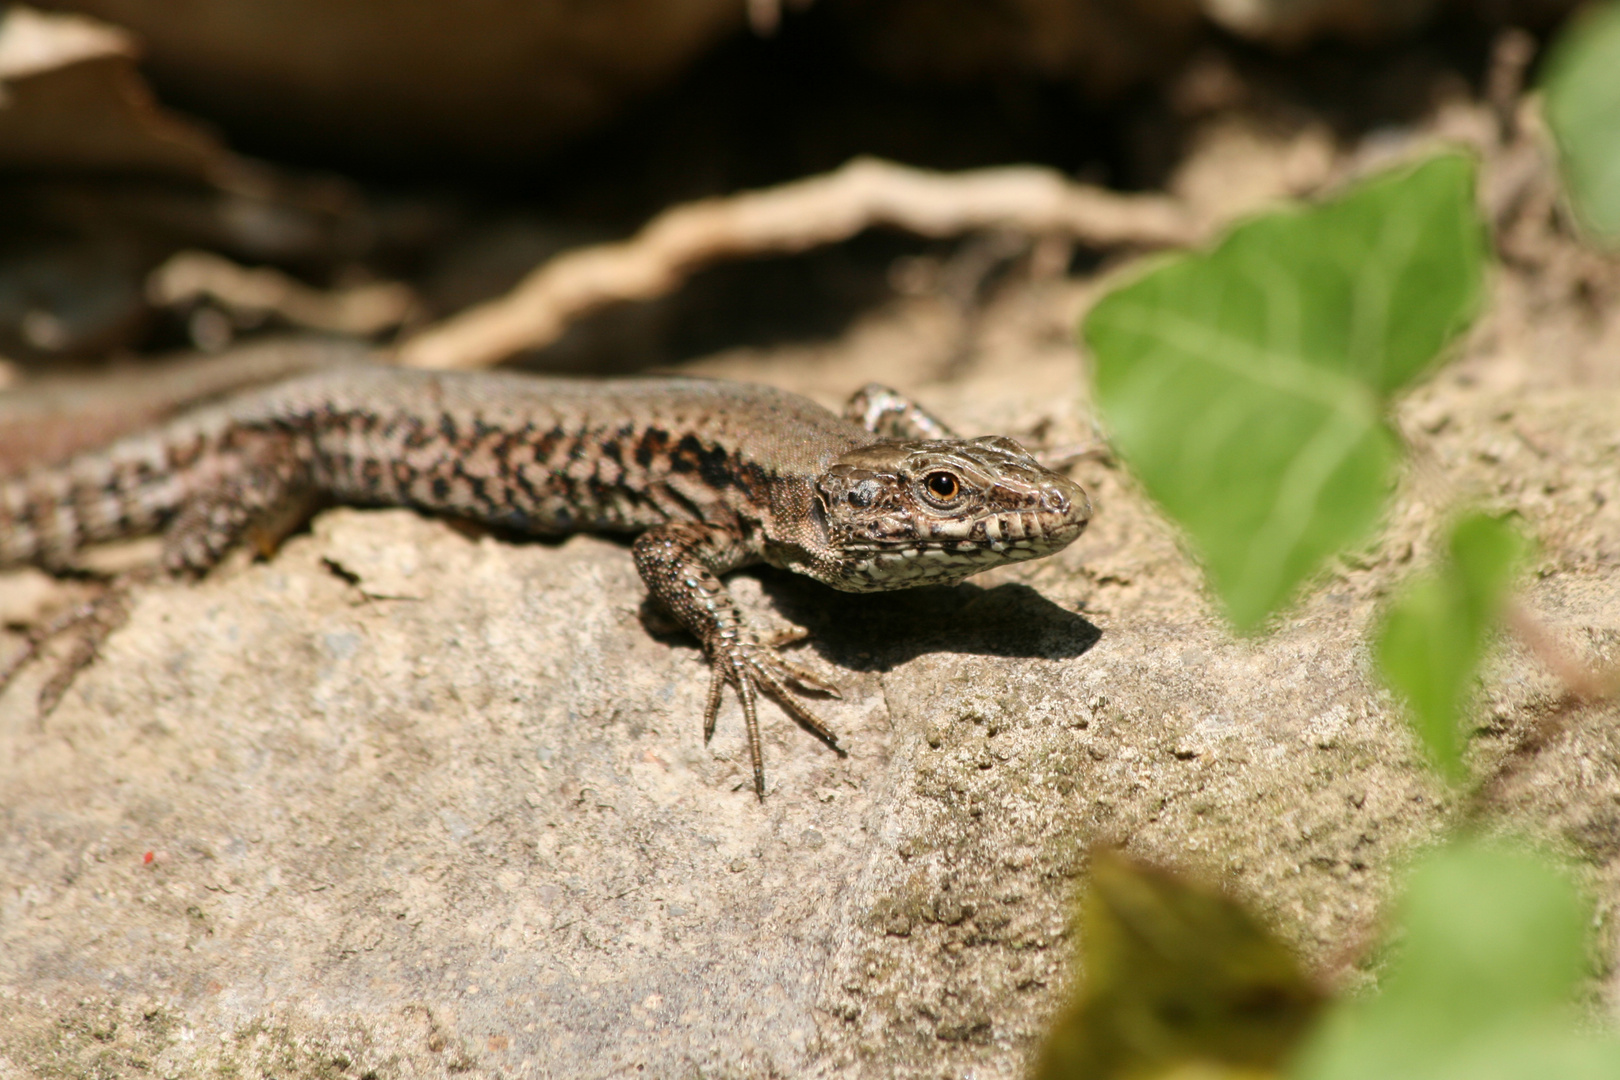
(818, 515)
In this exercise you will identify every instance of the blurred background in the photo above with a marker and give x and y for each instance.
(403, 159)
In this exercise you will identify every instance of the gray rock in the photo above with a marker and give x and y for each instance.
(418, 803)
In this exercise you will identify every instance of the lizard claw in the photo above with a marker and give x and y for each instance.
(802, 677)
(753, 667)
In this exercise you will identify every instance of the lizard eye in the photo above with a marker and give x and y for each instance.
(942, 485)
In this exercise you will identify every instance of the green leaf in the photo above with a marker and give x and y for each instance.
(1583, 110)
(1434, 635)
(1180, 982)
(1530, 1054)
(1247, 387)
(1494, 948)
(1492, 935)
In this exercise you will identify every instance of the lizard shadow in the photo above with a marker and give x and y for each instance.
(877, 631)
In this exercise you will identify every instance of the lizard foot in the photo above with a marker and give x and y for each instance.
(754, 667)
(92, 622)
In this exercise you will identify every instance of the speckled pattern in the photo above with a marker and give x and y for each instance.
(712, 475)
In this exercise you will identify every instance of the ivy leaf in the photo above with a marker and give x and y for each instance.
(1583, 110)
(1181, 983)
(1494, 948)
(1434, 635)
(1247, 387)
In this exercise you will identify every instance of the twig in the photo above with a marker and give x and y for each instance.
(1584, 683)
(791, 218)
(362, 310)
(1511, 54)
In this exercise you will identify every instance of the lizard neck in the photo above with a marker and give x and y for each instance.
(794, 528)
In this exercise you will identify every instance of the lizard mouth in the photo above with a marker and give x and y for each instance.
(1039, 527)
(951, 554)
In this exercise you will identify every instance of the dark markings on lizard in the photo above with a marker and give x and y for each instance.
(654, 444)
(710, 476)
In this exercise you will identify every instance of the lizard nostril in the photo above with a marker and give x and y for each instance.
(1057, 501)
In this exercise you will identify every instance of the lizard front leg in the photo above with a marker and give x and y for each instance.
(891, 414)
(681, 562)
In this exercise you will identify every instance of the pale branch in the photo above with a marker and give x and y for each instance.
(791, 218)
(1583, 682)
(360, 310)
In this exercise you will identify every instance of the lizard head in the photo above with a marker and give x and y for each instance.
(895, 515)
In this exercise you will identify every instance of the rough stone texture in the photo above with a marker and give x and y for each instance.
(423, 804)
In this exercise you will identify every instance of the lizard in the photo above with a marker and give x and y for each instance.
(708, 475)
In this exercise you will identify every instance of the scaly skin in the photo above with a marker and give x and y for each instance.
(712, 476)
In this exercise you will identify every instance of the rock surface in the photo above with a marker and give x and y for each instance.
(405, 802)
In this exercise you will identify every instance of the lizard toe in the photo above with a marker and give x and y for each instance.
(754, 668)
(775, 677)
(802, 677)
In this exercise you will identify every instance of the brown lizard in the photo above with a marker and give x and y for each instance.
(711, 475)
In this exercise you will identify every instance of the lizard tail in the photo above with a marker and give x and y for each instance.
(128, 489)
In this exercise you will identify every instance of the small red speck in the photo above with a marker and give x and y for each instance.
(149, 857)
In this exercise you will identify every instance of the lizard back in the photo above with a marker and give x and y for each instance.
(535, 454)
